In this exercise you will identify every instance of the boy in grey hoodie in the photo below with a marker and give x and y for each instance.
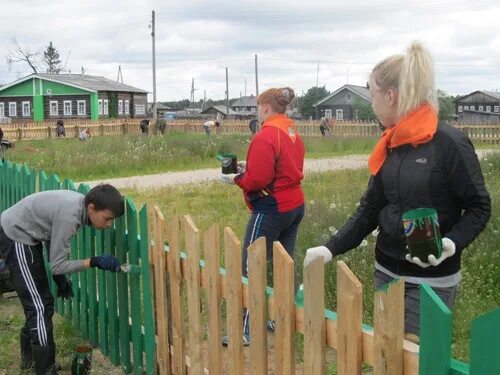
(52, 217)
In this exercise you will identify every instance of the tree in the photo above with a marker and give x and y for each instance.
(18, 54)
(51, 59)
(365, 110)
(307, 101)
(446, 105)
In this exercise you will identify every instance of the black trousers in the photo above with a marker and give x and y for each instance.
(28, 275)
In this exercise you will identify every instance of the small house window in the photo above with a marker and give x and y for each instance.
(2, 109)
(53, 108)
(460, 108)
(480, 108)
(81, 107)
(12, 109)
(126, 107)
(67, 108)
(106, 106)
(26, 109)
(100, 106)
(120, 107)
(466, 107)
(488, 108)
(495, 108)
(140, 109)
(472, 108)
(349, 97)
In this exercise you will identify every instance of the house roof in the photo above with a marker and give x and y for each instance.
(245, 101)
(361, 91)
(221, 109)
(82, 81)
(492, 94)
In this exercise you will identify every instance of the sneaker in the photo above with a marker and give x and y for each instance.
(271, 325)
(246, 340)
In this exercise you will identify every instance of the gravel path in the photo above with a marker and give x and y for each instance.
(202, 175)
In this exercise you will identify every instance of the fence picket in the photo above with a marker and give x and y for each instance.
(112, 298)
(257, 281)
(284, 297)
(349, 321)
(213, 285)
(485, 333)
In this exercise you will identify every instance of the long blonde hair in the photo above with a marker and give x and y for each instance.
(412, 75)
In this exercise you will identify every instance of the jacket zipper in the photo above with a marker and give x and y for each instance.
(400, 220)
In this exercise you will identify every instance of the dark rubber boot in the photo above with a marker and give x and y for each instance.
(26, 355)
(44, 358)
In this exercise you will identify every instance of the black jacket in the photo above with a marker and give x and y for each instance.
(444, 174)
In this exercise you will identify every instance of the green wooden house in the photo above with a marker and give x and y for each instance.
(40, 97)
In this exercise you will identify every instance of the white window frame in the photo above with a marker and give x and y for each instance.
(120, 107)
(495, 109)
(56, 112)
(140, 109)
(339, 114)
(481, 108)
(348, 98)
(460, 108)
(466, 107)
(12, 105)
(26, 108)
(81, 113)
(328, 113)
(106, 107)
(488, 108)
(70, 108)
(126, 107)
(100, 107)
(472, 108)
(2, 109)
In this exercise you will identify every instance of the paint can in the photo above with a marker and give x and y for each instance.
(423, 237)
(229, 163)
(82, 360)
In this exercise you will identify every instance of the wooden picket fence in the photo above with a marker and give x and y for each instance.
(168, 316)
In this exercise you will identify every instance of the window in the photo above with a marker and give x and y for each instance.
(481, 108)
(12, 109)
(81, 107)
(120, 107)
(339, 114)
(67, 108)
(466, 107)
(26, 109)
(328, 113)
(54, 110)
(488, 108)
(348, 98)
(472, 108)
(495, 109)
(127, 107)
(460, 108)
(140, 109)
(2, 109)
(100, 106)
(105, 106)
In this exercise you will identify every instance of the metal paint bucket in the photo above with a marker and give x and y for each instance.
(82, 360)
(229, 163)
(423, 236)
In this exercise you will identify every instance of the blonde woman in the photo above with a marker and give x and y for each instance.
(416, 163)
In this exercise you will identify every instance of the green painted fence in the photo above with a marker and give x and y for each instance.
(115, 311)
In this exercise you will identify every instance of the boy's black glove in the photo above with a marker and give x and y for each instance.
(64, 287)
(105, 262)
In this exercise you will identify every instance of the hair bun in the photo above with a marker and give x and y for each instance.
(286, 95)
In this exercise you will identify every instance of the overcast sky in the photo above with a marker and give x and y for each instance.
(200, 38)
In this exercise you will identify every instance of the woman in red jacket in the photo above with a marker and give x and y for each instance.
(270, 180)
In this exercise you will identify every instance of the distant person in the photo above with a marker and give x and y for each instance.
(144, 126)
(4, 144)
(60, 130)
(207, 126)
(160, 126)
(324, 128)
(217, 127)
(253, 125)
(85, 134)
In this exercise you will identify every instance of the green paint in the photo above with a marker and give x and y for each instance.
(94, 106)
(484, 347)
(61, 89)
(21, 89)
(435, 333)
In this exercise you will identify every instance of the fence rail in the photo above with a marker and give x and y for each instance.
(139, 319)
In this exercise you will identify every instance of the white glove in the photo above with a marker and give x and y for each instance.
(448, 251)
(316, 252)
(242, 166)
(228, 178)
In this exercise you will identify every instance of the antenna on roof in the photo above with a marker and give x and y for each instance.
(83, 71)
(120, 75)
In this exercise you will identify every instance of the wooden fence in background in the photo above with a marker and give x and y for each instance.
(167, 316)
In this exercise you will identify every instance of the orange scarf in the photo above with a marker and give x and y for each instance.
(416, 128)
(282, 122)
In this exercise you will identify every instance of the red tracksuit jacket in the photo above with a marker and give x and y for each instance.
(275, 164)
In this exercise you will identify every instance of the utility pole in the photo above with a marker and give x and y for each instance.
(227, 94)
(120, 75)
(245, 87)
(191, 99)
(317, 88)
(204, 100)
(155, 114)
(256, 76)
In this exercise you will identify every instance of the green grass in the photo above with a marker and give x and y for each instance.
(123, 156)
(331, 198)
